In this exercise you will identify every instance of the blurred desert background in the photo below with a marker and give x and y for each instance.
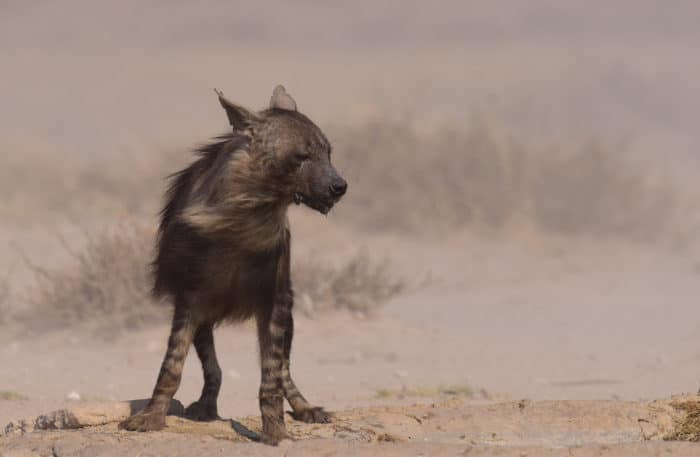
(521, 221)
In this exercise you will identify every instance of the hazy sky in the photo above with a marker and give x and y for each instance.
(86, 76)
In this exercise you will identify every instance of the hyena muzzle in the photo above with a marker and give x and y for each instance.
(223, 254)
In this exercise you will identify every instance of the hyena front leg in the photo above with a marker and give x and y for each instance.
(205, 408)
(302, 409)
(271, 331)
(153, 416)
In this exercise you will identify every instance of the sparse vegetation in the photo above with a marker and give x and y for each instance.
(480, 176)
(383, 393)
(11, 395)
(108, 287)
(688, 428)
(359, 285)
(458, 390)
(477, 175)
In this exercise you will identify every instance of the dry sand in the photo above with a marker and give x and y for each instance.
(447, 427)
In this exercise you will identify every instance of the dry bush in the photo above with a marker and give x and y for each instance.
(687, 428)
(359, 285)
(596, 190)
(480, 176)
(108, 288)
(476, 175)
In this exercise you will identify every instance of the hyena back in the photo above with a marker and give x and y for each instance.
(223, 253)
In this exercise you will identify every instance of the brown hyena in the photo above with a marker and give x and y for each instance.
(223, 254)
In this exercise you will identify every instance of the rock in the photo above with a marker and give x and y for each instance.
(401, 373)
(85, 415)
(75, 396)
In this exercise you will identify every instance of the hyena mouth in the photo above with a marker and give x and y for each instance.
(321, 207)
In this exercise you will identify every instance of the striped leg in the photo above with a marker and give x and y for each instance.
(205, 408)
(271, 331)
(302, 410)
(153, 416)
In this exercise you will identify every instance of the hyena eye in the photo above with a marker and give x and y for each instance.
(300, 156)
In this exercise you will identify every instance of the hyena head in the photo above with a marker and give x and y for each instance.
(290, 150)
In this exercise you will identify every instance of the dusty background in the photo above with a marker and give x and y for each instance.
(521, 220)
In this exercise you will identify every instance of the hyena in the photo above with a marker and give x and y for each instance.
(223, 254)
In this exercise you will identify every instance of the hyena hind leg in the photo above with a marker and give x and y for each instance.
(153, 416)
(205, 409)
(302, 409)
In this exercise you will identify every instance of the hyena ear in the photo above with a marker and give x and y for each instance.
(239, 117)
(282, 100)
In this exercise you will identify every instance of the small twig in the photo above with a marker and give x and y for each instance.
(36, 269)
(64, 243)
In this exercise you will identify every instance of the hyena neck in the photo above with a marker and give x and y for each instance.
(260, 229)
(244, 205)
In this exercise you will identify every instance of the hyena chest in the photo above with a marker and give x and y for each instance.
(237, 284)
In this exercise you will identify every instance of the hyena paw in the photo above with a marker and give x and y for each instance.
(202, 411)
(313, 415)
(273, 430)
(144, 421)
(273, 437)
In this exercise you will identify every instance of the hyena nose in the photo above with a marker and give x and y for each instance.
(339, 187)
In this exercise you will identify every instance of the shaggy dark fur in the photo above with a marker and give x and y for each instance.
(223, 253)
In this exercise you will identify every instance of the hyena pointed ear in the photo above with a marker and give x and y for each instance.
(282, 100)
(239, 117)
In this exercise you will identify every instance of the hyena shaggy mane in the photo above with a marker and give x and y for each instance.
(223, 254)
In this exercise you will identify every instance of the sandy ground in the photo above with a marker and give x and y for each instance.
(485, 321)
(447, 427)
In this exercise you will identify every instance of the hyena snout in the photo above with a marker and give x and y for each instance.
(338, 187)
(325, 191)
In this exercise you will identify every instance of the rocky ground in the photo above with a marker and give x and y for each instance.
(444, 427)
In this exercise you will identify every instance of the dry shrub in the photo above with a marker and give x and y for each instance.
(595, 189)
(456, 390)
(359, 285)
(475, 175)
(480, 176)
(688, 427)
(108, 287)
